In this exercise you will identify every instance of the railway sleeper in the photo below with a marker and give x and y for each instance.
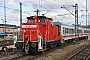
(78, 58)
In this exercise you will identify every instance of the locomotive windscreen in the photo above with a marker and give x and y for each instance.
(42, 20)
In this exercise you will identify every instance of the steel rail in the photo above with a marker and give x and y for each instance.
(77, 52)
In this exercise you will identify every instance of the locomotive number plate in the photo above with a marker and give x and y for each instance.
(29, 26)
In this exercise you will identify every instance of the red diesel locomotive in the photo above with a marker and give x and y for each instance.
(38, 34)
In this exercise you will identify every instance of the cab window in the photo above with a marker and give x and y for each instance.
(42, 20)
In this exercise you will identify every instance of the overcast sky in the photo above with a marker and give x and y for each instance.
(51, 8)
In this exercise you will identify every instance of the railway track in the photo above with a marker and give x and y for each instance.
(16, 56)
(5, 45)
(21, 57)
(6, 42)
(83, 54)
(34, 57)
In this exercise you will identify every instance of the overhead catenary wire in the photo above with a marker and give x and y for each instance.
(17, 11)
(82, 4)
(46, 2)
(49, 6)
(14, 9)
(60, 6)
(39, 6)
(35, 4)
(52, 3)
(10, 17)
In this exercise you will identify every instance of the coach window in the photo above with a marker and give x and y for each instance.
(72, 31)
(80, 31)
(66, 30)
(84, 31)
(77, 31)
(63, 30)
(88, 31)
(59, 30)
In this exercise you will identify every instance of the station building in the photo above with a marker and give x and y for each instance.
(11, 30)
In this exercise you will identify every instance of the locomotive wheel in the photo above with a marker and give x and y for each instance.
(51, 46)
